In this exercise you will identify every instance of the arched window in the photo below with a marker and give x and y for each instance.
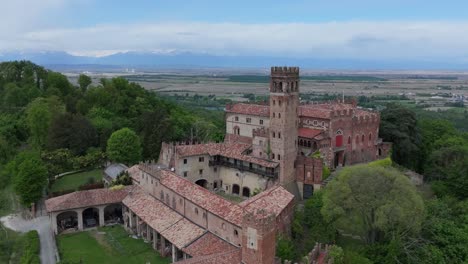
(363, 139)
(235, 189)
(279, 157)
(272, 155)
(279, 115)
(370, 137)
(279, 102)
(357, 139)
(246, 192)
(308, 144)
(349, 140)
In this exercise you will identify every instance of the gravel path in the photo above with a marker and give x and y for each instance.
(49, 251)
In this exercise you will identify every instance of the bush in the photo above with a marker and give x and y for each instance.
(31, 248)
(387, 162)
(325, 172)
(85, 187)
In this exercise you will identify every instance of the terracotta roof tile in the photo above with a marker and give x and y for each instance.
(273, 200)
(249, 109)
(86, 198)
(182, 233)
(202, 197)
(153, 212)
(231, 257)
(208, 244)
(308, 132)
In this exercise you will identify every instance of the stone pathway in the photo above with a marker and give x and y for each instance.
(49, 253)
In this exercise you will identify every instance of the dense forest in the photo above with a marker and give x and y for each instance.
(50, 126)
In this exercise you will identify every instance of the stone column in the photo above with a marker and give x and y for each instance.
(101, 216)
(148, 234)
(174, 255)
(130, 219)
(80, 219)
(155, 239)
(137, 219)
(53, 220)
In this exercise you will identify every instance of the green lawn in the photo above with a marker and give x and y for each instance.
(115, 246)
(73, 181)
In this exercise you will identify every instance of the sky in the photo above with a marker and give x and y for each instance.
(348, 29)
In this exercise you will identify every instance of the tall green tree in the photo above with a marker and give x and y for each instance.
(39, 115)
(398, 125)
(73, 132)
(30, 181)
(373, 202)
(124, 146)
(84, 81)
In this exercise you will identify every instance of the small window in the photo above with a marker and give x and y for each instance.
(274, 102)
(201, 159)
(261, 153)
(185, 161)
(261, 121)
(279, 115)
(323, 123)
(196, 211)
(279, 157)
(248, 120)
(279, 102)
(236, 118)
(223, 226)
(151, 180)
(185, 173)
(215, 169)
(200, 172)
(260, 142)
(273, 114)
(272, 155)
(274, 134)
(279, 134)
(315, 123)
(236, 233)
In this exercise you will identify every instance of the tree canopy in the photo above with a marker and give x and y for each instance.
(124, 146)
(30, 179)
(372, 202)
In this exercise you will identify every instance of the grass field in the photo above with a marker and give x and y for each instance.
(110, 245)
(73, 181)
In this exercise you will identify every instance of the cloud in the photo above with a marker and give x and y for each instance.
(345, 39)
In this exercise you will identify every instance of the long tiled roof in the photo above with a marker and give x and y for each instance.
(273, 200)
(202, 197)
(208, 244)
(87, 198)
(308, 132)
(249, 109)
(230, 257)
(182, 233)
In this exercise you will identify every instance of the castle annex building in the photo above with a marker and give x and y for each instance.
(285, 142)
(272, 154)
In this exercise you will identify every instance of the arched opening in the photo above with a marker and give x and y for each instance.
(280, 87)
(90, 217)
(380, 152)
(202, 182)
(349, 140)
(246, 192)
(301, 142)
(235, 189)
(363, 139)
(236, 130)
(113, 214)
(315, 146)
(308, 144)
(67, 220)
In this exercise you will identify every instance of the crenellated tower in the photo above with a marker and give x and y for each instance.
(284, 103)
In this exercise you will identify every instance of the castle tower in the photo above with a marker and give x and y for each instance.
(258, 237)
(284, 102)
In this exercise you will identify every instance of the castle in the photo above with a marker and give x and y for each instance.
(272, 155)
(284, 142)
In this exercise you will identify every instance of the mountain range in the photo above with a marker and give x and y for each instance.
(193, 60)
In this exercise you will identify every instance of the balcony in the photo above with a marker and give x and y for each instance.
(242, 167)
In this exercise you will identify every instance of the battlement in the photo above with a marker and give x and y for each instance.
(284, 70)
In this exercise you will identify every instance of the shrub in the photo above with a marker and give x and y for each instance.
(31, 248)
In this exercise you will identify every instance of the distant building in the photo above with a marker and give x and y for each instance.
(112, 171)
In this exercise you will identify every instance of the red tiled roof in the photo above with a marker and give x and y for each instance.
(249, 109)
(155, 213)
(308, 132)
(182, 233)
(202, 197)
(273, 200)
(134, 173)
(231, 257)
(86, 198)
(208, 244)
(229, 150)
(314, 111)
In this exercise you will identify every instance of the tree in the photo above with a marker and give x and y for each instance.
(73, 132)
(155, 128)
(124, 146)
(84, 81)
(30, 181)
(39, 115)
(373, 202)
(398, 125)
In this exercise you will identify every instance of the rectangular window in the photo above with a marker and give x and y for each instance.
(248, 120)
(236, 118)
(279, 134)
(185, 174)
(279, 157)
(200, 172)
(201, 159)
(215, 169)
(185, 161)
(261, 121)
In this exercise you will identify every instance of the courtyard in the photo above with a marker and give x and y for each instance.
(111, 244)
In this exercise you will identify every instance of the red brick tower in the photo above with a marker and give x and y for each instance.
(284, 102)
(258, 237)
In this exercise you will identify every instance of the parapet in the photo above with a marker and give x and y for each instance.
(284, 70)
